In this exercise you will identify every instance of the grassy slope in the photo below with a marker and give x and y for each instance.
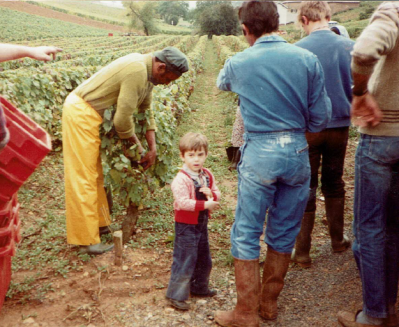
(117, 15)
(22, 26)
(91, 9)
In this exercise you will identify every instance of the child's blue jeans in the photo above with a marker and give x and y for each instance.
(192, 263)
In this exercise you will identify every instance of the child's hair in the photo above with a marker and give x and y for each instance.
(314, 10)
(193, 142)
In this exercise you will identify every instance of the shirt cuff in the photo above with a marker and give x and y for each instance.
(126, 135)
(199, 205)
(215, 196)
(362, 69)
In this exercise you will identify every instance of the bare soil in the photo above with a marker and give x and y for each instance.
(45, 12)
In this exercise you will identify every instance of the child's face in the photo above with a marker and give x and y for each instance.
(194, 159)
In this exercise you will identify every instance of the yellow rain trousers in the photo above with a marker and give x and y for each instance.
(85, 198)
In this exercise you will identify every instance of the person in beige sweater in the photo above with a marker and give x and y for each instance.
(376, 202)
(127, 83)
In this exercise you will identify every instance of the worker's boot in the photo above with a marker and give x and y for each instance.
(335, 219)
(300, 254)
(236, 159)
(95, 249)
(245, 313)
(274, 270)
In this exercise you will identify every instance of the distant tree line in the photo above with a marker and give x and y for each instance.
(209, 17)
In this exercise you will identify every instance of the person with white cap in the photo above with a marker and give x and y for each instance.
(126, 83)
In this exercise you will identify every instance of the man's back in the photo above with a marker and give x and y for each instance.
(334, 54)
(281, 87)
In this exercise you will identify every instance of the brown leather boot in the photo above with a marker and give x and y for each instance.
(245, 313)
(274, 271)
(335, 219)
(300, 254)
(236, 159)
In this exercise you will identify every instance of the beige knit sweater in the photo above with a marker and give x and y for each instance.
(376, 52)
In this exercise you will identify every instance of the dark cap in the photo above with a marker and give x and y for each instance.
(175, 60)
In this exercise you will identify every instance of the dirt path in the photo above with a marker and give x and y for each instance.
(99, 294)
(45, 12)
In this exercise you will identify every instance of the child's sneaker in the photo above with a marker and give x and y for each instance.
(210, 293)
(181, 305)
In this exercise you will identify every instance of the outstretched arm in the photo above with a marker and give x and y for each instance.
(13, 51)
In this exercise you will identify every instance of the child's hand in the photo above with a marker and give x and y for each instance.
(207, 191)
(211, 205)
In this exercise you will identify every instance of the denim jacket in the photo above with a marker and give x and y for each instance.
(281, 87)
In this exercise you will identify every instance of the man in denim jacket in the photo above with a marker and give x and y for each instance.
(282, 95)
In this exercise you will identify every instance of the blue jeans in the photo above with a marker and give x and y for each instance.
(273, 176)
(192, 263)
(376, 221)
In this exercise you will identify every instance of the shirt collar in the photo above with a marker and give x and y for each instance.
(190, 172)
(148, 62)
(270, 38)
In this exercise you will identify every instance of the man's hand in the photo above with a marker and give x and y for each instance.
(211, 205)
(365, 111)
(44, 53)
(134, 140)
(148, 160)
(207, 191)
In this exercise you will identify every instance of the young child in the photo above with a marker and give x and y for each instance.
(195, 194)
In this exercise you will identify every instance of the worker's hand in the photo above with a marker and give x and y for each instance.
(133, 140)
(148, 160)
(207, 191)
(365, 111)
(44, 53)
(211, 205)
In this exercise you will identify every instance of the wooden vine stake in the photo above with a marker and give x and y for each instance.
(129, 222)
(118, 247)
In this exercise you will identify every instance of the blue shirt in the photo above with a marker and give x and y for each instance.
(334, 54)
(281, 87)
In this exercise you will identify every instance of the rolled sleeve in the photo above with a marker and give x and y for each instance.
(223, 81)
(146, 106)
(378, 39)
(131, 90)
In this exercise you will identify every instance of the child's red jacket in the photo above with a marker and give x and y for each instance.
(186, 206)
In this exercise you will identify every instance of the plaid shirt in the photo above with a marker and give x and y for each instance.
(4, 134)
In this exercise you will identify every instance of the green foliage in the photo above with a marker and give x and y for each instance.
(220, 19)
(142, 16)
(171, 11)
(366, 13)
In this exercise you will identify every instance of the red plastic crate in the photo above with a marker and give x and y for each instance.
(29, 143)
(5, 277)
(10, 226)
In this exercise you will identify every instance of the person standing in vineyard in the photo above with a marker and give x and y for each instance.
(376, 205)
(282, 95)
(15, 51)
(127, 83)
(329, 145)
